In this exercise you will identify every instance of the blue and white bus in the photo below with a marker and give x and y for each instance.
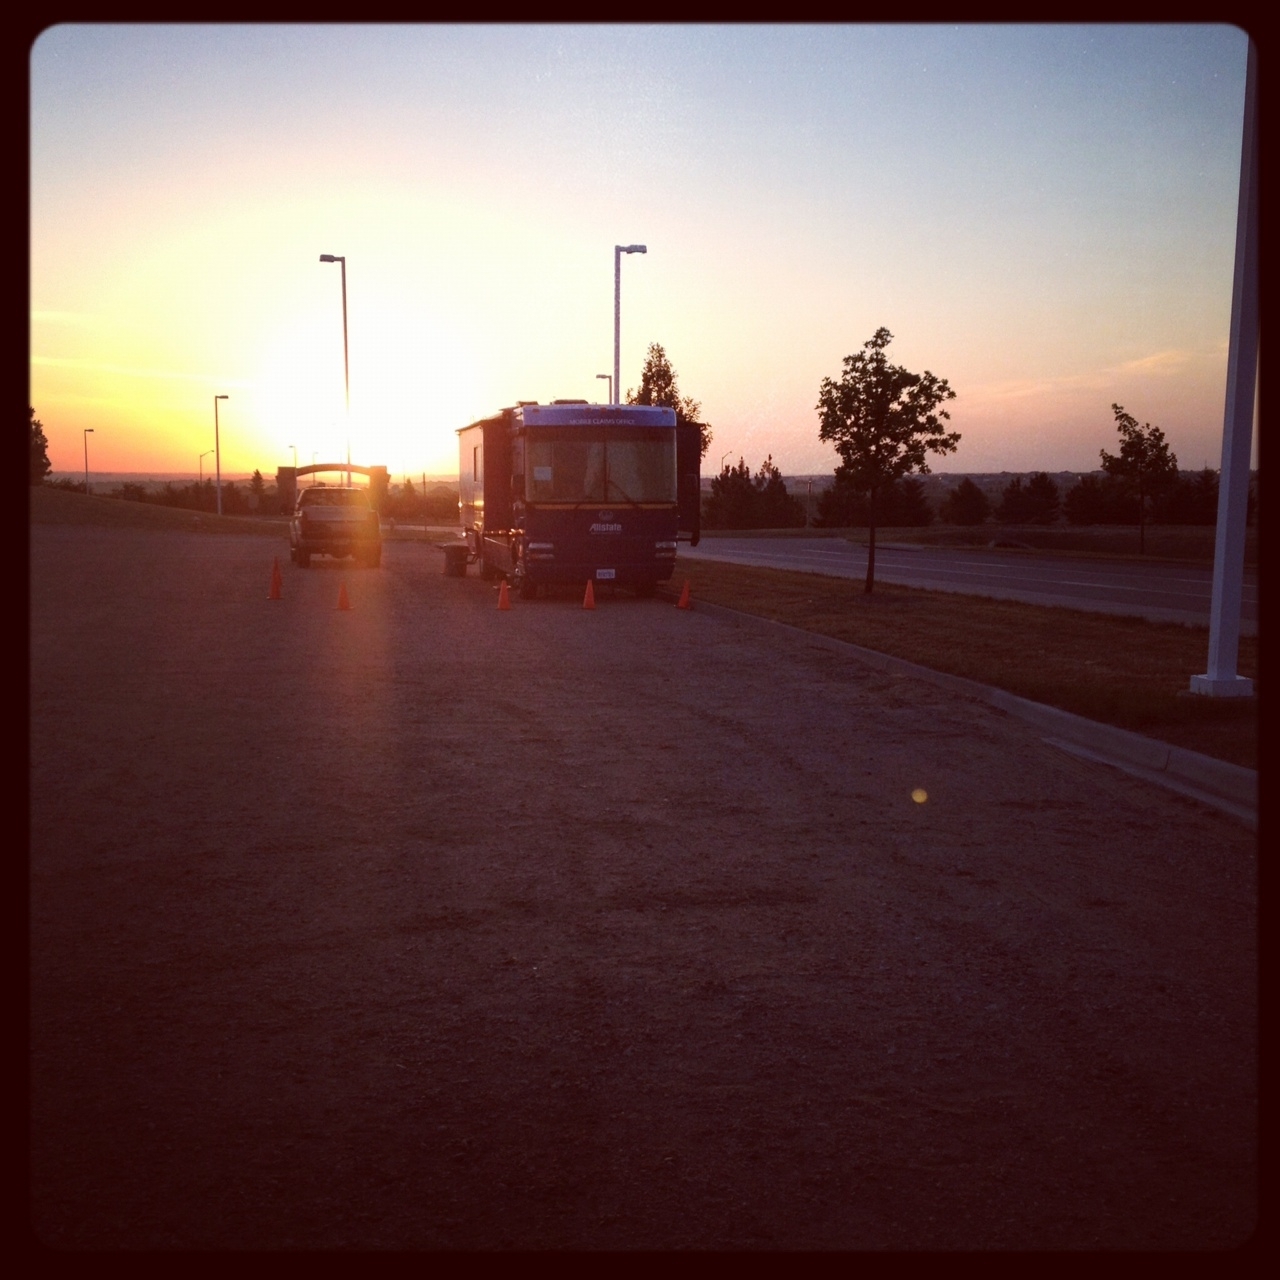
(571, 491)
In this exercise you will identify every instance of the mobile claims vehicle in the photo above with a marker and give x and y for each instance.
(574, 492)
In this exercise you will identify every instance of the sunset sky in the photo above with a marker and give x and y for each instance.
(1043, 215)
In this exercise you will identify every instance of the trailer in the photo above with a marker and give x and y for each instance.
(572, 492)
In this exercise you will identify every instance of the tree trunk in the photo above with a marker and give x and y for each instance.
(871, 544)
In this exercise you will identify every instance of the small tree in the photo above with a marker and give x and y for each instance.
(775, 507)
(739, 500)
(1095, 499)
(1144, 465)
(39, 451)
(732, 498)
(966, 504)
(1192, 499)
(1043, 500)
(910, 507)
(881, 419)
(902, 504)
(1013, 503)
(658, 386)
(1035, 503)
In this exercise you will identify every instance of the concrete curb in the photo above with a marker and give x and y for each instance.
(1227, 787)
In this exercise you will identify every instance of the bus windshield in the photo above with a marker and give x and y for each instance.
(576, 464)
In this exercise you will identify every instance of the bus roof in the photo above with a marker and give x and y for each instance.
(582, 414)
(597, 415)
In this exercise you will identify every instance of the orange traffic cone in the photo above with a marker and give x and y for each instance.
(589, 600)
(504, 600)
(683, 602)
(343, 602)
(274, 593)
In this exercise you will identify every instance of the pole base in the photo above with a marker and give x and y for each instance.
(1235, 687)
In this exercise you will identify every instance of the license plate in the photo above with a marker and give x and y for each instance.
(606, 574)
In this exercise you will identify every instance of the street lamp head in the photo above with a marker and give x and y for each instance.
(221, 397)
(635, 248)
(88, 431)
(332, 257)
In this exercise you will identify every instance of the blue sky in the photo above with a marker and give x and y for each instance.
(1043, 215)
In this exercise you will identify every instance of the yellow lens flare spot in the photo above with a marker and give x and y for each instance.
(919, 795)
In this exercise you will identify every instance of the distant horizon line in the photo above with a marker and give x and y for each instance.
(78, 473)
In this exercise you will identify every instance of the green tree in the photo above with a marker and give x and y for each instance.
(882, 418)
(1144, 466)
(739, 500)
(966, 504)
(1013, 503)
(901, 505)
(1035, 503)
(1097, 499)
(39, 451)
(1193, 499)
(775, 508)
(732, 498)
(1043, 500)
(910, 508)
(658, 386)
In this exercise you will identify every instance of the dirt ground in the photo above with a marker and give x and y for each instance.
(429, 926)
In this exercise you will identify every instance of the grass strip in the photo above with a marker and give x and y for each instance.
(1121, 671)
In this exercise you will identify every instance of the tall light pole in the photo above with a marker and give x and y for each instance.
(294, 447)
(608, 378)
(346, 371)
(217, 449)
(203, 456)
(618, 251)
(88, 431)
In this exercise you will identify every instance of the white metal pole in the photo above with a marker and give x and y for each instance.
(88, 431)
(1221, 679)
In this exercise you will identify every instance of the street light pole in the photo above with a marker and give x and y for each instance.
(203, 456)
(217, 448)
(608, 377)
(346, 369)
(618, 251)
(294, 447)
(88, 431)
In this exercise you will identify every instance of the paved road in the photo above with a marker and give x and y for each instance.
(423, 925)
(1159, 591)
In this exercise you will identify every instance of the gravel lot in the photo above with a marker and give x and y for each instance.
(426, 925)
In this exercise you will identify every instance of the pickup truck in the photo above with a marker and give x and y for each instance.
(335, 521)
